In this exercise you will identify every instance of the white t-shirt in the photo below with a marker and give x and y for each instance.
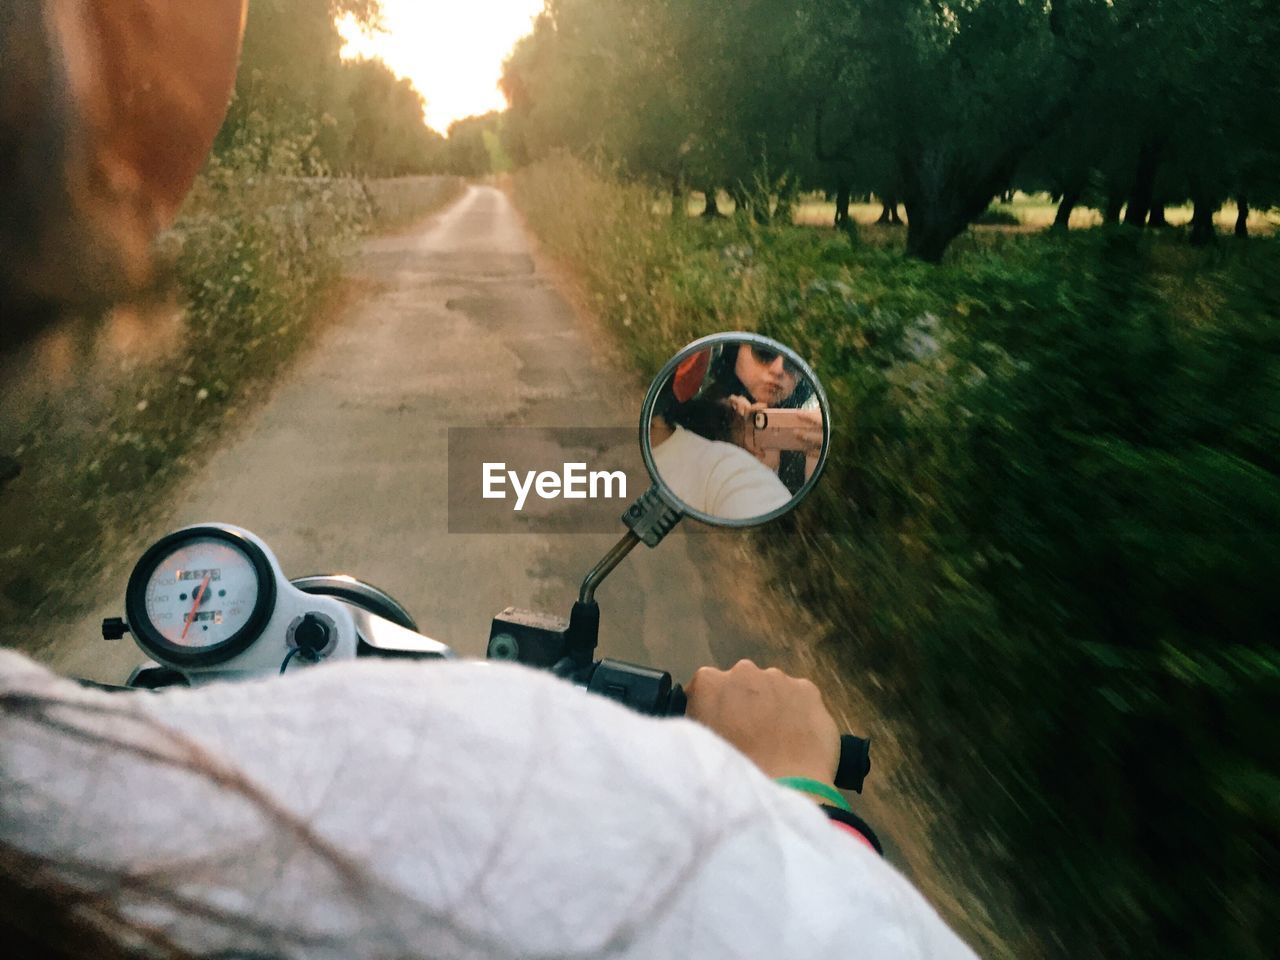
(719, 479)
(387, 809)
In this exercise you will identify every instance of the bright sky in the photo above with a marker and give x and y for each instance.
(452, 51)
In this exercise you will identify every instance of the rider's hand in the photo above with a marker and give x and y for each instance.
(778, 721)
(743, 407)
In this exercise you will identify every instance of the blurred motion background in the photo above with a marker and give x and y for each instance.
(1031, 250)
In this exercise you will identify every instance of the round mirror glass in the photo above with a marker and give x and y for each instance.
(735, 429)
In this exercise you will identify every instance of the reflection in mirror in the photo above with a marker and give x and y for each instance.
(737, 429)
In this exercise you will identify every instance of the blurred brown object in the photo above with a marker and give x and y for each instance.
(108, 109)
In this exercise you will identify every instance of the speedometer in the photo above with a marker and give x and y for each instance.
(200, 596)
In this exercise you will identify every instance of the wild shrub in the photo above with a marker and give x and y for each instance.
(1063, 511)
(250, 262)
(1047, 537)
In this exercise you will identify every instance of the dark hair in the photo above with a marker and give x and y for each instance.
(724, 372)
(791, 463)
(68, 909)
(707, 415)
(46, 917)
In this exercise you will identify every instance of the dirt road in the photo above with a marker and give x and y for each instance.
(345, 467)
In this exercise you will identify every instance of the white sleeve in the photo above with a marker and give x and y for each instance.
(373, 809)
(741, 487)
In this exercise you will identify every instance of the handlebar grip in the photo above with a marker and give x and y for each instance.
(855, 752)
(678, 701)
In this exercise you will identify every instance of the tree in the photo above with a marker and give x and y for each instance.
(389, 135)
(604, 80)
(939, 105)
(475, 147)
(291, 76)
(294, 93)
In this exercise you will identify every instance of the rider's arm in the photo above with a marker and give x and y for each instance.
(740, 487)
(462, 809)
(782, 725)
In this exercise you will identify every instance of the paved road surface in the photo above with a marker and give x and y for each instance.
(344, 468)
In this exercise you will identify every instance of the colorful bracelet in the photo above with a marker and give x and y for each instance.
(817, 789)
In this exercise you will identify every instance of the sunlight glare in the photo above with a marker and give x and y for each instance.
(453, 53)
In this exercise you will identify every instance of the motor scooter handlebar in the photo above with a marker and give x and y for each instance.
(543, 641)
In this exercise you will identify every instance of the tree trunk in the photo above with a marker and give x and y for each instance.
(741, 201)
(1007, 196)
(1157, 220)
(928, 240)
(889, 212)
(1062, 219)
(1202, 232)
(1242, 216)
(842, 204)
(711, 208)
(939, 209)
(1144, 184)
(784, 212)
(1111, 212)
(944, 191)
(679, 205)
(932, 226)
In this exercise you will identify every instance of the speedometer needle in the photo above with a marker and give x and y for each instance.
(195, 604)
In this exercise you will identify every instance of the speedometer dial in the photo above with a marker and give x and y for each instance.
(202, 593)
(200, 596)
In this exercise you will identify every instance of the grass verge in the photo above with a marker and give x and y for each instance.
(1044, 544)
(104, 415)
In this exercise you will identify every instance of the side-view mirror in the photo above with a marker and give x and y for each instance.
(735, 430)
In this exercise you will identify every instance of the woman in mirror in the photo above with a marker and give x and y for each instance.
(692, 435)
(771, 382)
(776, 415)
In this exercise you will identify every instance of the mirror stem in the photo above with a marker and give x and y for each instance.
(602, 569)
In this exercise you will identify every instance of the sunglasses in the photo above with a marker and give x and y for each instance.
(766, 356)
